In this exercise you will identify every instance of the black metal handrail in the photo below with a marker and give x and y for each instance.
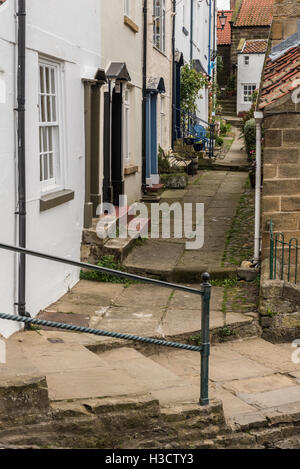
(184, 130)
(205, 294)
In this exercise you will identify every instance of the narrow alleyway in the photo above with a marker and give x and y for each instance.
(256, 381)
(220, 192)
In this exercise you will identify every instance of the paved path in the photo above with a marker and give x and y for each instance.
(220, 192)
(146, 310)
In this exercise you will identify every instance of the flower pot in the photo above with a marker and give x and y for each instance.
(198, 147)
(189, 141)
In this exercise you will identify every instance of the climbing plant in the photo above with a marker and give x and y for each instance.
(191, 84)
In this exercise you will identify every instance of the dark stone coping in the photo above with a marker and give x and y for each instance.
(55, 199)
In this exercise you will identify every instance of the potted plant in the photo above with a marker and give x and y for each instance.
(189, 140)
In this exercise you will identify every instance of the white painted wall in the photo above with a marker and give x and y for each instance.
(200, 40)
(248, 74)
(120, 43)
(68, 32)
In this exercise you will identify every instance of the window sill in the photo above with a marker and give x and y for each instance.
(131, 24)
(160, 51)
(130, 169)
(55, 199)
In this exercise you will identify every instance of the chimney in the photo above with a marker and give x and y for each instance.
(232, 4)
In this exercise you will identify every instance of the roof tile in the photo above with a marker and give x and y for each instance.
(255, 13)
(224, 35)
(281, 76)
(255, 46)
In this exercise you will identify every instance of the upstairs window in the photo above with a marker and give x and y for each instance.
(49, 128)
(246, 60)
(159, 24)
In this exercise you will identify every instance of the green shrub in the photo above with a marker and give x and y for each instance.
(225, 128)
(219, 141)
(250, 137)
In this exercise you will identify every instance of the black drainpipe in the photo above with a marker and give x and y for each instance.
(21, 155)
(174, 76)
(145, 11)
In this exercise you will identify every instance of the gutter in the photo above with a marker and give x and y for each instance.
(21, 15)
(144, 110)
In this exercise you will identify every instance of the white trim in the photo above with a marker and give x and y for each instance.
(127, 8)
(250, 95)
(51, 97)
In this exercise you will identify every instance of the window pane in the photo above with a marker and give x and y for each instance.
(53, 81)
(45, 168)
(47, 71)
(42, 88)
(49, 131)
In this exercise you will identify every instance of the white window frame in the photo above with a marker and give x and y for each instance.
(246, 60)
(127, 8)
(248, 90)
(126, 127)
(55, 181)
(159, 24)
(162, 120)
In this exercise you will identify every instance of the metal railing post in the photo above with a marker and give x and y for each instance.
(205, 339)
(211, 140)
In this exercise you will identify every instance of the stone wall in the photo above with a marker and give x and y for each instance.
(225, 53)
(285, 16)
(29, 421)
(281, 169)
(279, 308)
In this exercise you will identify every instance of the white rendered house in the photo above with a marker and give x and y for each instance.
(195, 40)
(62, 50)
(250, 65)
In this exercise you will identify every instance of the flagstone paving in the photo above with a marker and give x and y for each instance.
(220, 192)
(146, 310)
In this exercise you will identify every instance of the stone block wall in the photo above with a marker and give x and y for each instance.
(225, 53)
(279, 308)
(286, 13)
(281, 183)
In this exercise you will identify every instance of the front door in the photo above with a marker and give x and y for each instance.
(117, 178)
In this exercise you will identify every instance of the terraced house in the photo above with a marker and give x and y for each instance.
(61, 51)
